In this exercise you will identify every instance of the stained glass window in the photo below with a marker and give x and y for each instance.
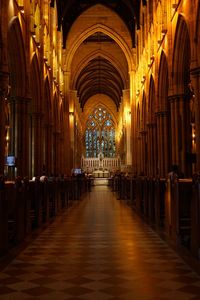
(100, 134)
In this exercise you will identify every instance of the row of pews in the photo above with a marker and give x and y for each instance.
(171, 206)
(26, 206)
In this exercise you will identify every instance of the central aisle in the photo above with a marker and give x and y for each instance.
(99, 250)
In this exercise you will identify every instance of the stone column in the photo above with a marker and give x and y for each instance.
(158, 167)
(20, 133)
(181, 132)
(127, 118)
(3, 96)
(66, 130)
(152, 146)
(143, 135)
(48, 148)
(37, 140)
(163, 142)
(195, 78)
(56, 151)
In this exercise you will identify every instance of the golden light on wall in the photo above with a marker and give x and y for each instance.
(11, 8)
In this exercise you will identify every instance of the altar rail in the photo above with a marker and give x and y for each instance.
(92, 164)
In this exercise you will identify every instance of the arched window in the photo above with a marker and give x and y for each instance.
(100, 134)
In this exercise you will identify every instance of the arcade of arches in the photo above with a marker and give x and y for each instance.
(139, 61)
(115, 83)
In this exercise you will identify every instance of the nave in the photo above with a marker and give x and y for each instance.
(99, 249)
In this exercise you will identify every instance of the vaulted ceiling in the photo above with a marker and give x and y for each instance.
(99, 76)
(128, 11)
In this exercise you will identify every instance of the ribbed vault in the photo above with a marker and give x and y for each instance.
(99, 77)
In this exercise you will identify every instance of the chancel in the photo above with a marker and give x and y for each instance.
(100, 149)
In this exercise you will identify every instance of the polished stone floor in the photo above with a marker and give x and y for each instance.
(99, 250)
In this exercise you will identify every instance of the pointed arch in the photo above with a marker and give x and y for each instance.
(56, 118)
(48, 131)
(35, 84)
(144, 112)
(197, 31)
(163, 84)
(17, 59)
(151, 102)
(104, 54)
(106, 30)
(181, 56)
(47, 103)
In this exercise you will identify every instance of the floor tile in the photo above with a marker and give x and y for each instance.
(98, 250)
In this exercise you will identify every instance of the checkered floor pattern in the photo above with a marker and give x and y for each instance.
(98, 250)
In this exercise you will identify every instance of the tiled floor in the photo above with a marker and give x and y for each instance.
(99, 250)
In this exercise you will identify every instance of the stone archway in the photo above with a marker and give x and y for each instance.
(35, 113)
(56, 134)
(163, 118)
(19, 98)
(48, 129)
(180, 100)
(152, 132)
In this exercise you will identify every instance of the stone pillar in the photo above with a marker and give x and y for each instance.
(152, 146)
(37, 141)
(181, 132)
(48, 148)
(158, 167)
(163, 142)
(195, 78)
(3, 96)
(56, 152)
(133, 109)
(139, 154)
(20, 133)
(143, 152)
(127, 119)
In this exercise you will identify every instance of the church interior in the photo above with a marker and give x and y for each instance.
(100, 149)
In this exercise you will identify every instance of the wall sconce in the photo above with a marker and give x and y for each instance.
(71, 113)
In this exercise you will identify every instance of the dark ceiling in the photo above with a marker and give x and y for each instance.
(69, 10)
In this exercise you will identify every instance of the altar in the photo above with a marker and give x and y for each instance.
(101, 174)
(100, 166)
